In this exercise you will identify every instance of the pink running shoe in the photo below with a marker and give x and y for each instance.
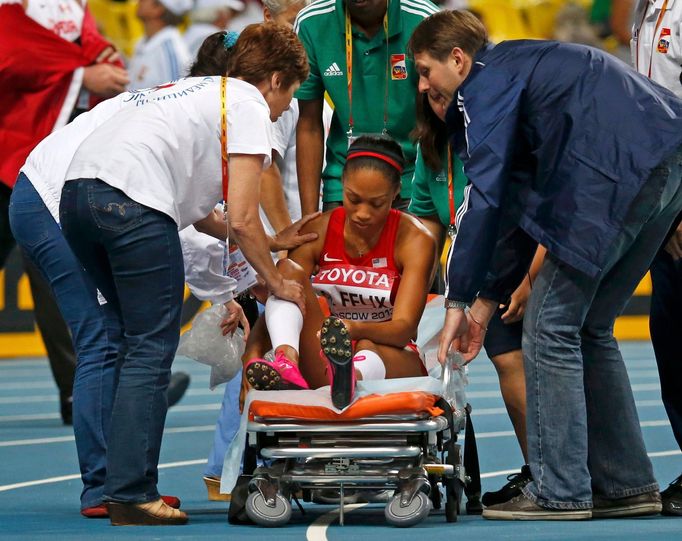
(278, 375)
(337, 349)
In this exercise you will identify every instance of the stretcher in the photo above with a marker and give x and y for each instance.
(397, 442)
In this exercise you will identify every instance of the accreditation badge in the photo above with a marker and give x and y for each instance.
(664, 41)
(398, 67)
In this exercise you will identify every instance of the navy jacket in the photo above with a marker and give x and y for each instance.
(557, 140)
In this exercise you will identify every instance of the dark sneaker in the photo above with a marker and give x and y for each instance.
(523, 508)
(66, 409)
(672, 498)
(179, 381)
(632, 506)
(337, 350)
(512, 489)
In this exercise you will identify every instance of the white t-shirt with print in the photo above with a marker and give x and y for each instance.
(48, 162)
(165, 152)
(163, 57)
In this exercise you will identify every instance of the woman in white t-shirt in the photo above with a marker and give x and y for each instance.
(95, 329)
(139, 177)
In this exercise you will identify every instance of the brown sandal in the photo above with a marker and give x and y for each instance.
(156, 513)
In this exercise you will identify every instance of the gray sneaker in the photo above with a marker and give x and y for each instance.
(641, 505)
(522, 508)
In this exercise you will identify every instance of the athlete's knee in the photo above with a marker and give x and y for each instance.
(291, 270)
(366, 345)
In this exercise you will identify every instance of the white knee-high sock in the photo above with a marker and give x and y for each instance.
(284, 321)
(369, 364)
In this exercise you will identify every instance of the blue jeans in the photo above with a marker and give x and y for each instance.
(133, 255)
(95, 331)
(582, 425)
(226, 427)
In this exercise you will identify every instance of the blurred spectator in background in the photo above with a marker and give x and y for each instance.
(54, 64)
(161, 55)
(572, 25)
(657, 53)
(252, 13)
(207, 17)
(612, 20)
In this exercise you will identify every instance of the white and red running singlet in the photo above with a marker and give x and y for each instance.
(358, 288)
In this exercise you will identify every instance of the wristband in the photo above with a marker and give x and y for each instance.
(456, 304)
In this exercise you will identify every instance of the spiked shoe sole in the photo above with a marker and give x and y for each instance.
(337, 347)
(262, 377)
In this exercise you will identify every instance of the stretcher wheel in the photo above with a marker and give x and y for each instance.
(265, 515)
(453, 498)
(408, 515)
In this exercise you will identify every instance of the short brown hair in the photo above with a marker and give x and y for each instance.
(438, 34)
(265, 48)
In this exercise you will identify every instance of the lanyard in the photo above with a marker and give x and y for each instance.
(223, 139)
(349, 69)
(653, 39)
(452, 228)
(224, 160)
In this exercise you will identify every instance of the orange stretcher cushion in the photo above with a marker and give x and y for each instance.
(368, 406)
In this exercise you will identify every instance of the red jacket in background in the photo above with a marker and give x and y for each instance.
(36, 70)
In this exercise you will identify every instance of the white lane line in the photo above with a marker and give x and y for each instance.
(662, 422)
(29, 417)
(30, 399)
(22, 363)
(20, 386)
(47, 416)
(196, 407)
(634, 375)
(665, 453)
(50, 480)
(509, 433)
(49, 384)
(40, 398)
(638, 387)
(63, 439)
(500, 434)
(500, 473)
(36, 441)
(317, 531)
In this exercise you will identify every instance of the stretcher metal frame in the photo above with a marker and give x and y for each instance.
(413, 461)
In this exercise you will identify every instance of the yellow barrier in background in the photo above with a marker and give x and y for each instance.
(20, 338)
(118, 22)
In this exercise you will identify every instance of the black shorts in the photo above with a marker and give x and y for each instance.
(502, 338)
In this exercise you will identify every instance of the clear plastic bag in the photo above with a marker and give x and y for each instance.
(205, 343)
(454, 377)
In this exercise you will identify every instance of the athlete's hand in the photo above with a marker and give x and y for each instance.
(674, 245)
(105, 80)
(290, 237)
(289, 291)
